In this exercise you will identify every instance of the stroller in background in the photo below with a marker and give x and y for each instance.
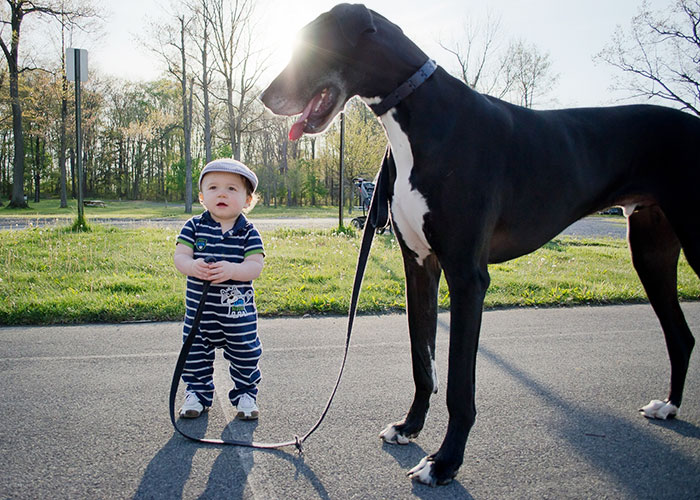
(365, 190)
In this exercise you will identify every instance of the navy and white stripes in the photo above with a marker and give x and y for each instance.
(229, 320)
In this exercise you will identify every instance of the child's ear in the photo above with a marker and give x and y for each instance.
(201, 198)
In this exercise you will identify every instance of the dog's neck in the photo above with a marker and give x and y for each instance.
(405, 89)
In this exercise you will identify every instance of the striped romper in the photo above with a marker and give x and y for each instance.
(229, 320)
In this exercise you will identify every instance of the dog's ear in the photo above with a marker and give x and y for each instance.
(353, 20)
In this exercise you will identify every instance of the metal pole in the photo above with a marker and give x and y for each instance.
(78, 137)
(342, 165)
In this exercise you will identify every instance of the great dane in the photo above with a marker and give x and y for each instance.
(473, 180)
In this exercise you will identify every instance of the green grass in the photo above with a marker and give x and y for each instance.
(148, 210)
(50, 276)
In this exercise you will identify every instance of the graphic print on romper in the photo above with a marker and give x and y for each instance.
(239, 304)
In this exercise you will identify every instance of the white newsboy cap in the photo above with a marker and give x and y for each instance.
(232, 166)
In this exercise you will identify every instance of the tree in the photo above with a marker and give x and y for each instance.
(231, 36)
(173, 44)
(202, 39)
(660, 55)
(527, 74)
(18, 9)
(476, 54)
(520, 73)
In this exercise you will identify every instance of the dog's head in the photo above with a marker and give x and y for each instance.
(347, 51)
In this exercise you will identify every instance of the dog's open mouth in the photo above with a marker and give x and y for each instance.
(316, 114)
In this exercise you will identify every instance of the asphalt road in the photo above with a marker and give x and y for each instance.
(595, 226)
(84, 412)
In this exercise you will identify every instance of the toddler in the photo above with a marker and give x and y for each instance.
(229, 321)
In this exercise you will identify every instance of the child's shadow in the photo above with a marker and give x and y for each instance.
(229, 474)
(169, 470)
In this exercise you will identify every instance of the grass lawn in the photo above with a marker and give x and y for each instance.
(50, 275)
(148, 210)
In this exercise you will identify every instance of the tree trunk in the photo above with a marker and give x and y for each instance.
(186, 121)
(37, 173)
(64, 119)
(18, 165)
(205, 85)
(231, 117)
(73, 189)
(12, 56)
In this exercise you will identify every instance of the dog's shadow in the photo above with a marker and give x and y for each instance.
(643, 450)
(408, 456)
(681, 427)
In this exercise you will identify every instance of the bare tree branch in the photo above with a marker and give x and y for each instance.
(660, 54)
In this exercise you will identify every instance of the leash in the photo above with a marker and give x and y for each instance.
(377, 217)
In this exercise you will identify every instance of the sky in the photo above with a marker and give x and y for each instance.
(570, 31)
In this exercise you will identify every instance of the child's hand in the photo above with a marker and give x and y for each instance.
(221, 271)
(201, 270)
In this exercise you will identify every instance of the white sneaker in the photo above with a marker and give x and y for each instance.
(192, 407)
(247, 409)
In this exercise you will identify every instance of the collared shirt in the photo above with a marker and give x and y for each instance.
(232, 301)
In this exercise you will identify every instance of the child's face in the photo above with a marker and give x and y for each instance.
(224, 194)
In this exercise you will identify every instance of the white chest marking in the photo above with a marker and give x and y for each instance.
(408, 207)
(629, 209)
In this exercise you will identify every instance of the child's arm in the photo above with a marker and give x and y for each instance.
(248, 270)
(188, 265)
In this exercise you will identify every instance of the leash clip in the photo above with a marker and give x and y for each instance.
(299, 447)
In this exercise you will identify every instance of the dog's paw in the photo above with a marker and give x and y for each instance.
(392, 435)
(661, 410)
(430, 472)
(423, 472)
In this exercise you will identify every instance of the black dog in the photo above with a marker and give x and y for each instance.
(473, 180)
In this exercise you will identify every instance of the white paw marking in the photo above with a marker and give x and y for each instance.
(423, 472)
(393, 436)
(659, 409)
(433, 371)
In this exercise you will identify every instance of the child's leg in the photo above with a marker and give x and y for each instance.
(243, 357)
(198, 372)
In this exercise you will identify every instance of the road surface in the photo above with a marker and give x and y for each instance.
(84, 412)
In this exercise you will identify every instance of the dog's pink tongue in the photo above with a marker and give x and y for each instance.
(297, 129)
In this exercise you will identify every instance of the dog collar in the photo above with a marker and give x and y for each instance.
(405, 89)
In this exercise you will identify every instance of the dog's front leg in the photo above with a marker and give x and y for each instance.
(422, 283)
(467, 291)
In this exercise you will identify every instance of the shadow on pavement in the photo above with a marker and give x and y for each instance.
(167, 473)
(408, 456)
(170, 469)
(633, 457)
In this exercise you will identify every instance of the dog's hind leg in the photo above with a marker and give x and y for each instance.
(422, 283)
(655, 250)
